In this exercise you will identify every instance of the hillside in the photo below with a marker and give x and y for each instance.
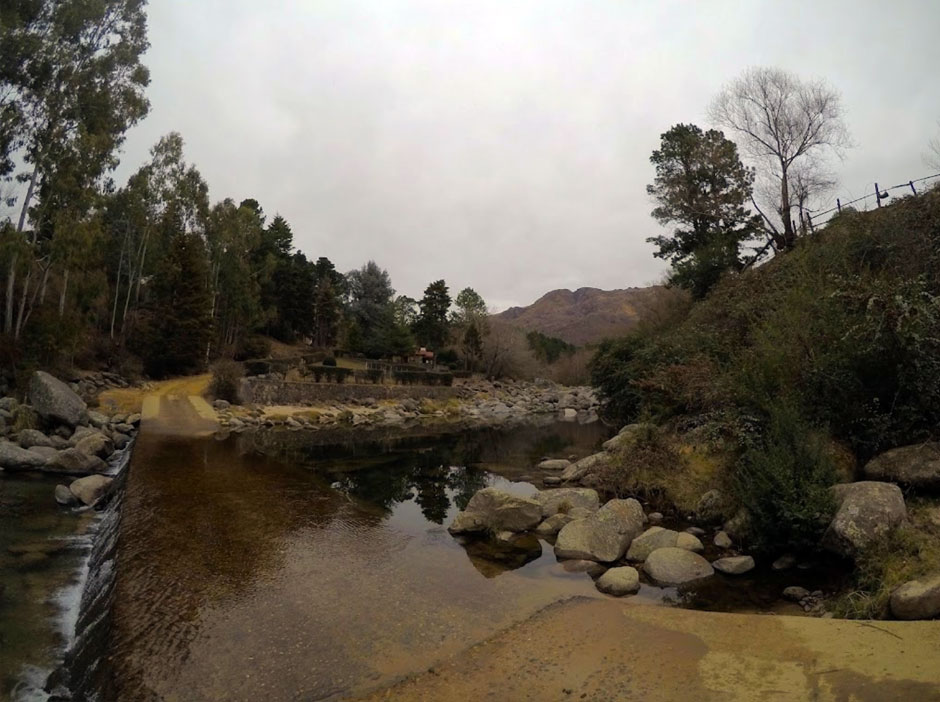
(586, 315)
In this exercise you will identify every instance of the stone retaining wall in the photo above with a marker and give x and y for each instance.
(263, 391)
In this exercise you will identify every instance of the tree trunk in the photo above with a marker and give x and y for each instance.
(28, 197)
(65, 287)
(18, 327)
(789, 236)
(11, 287)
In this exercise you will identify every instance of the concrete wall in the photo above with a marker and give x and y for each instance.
(263, 391)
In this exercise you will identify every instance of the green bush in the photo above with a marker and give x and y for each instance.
(330, 374)
(784, 481)
(253, 347)
(329, 361)
(257, 367)
(226, 376)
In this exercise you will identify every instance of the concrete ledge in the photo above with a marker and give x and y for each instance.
(263, 391)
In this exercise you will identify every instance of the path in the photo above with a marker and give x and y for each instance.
(608, 650)
(177, 407)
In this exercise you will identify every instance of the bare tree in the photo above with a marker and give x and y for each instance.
(932, 157)
(788, 126)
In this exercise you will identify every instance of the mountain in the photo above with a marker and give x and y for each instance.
(586, 315)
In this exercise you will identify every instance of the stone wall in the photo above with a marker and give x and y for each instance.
(264, 391)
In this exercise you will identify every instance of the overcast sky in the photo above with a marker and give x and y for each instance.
(504, 144)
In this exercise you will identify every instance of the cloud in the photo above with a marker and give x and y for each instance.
(503, 145)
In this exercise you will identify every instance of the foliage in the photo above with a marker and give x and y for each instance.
(548, 349)
(431, 328)
(329, 361)
(332, 374)
(226, 375)
(784, 483)
(702, 187)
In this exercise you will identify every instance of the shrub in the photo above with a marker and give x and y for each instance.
(24, 417)
(330, 373)
(257, 367)
(784, 483)
(253, 347)
(329, 361)
(226, 376)
(345, 417)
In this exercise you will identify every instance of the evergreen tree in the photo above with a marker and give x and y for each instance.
(431, 328)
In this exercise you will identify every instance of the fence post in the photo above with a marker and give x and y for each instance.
(839, 204)
(878, 194)
(911, 183)
(809, 221)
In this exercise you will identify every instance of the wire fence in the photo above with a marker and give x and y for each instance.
(813, 217)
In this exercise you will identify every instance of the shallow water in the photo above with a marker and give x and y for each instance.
(42, 553)
(242, 577)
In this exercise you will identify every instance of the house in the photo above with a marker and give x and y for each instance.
(422, 357)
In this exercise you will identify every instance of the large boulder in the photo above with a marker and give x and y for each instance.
(33, 437)
(734, 565)
(13, 457)
(96, 444)
(619, 581)
(628, 436)
(554, 464)
(917, 599)
(604, 536)
(866, 511)
(650, 540)
(73, 462)
(917, 466)
(55, 401)
(566, 499)
(586, 466)
(496, 510)
(675, 566)
(64, 496)
(90, 489)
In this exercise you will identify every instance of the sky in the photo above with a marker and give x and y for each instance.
(504, 144)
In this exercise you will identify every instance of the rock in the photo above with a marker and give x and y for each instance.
(650, 540)
(32, 437)
(56, 401)
(119, 418)
(695, 531)
(552, 525)
(712, 508)
(675, 566)
(722, 540)
(604, 536)
(497, 511)
(916, 466)
(628, 436)
(79, 434)
(589, 567)
(12, 457)
(619, 581)
(7, 404)
(97, 420)
(739, 526)
(46, 452)
(566, 499)
(689, 542)
(917, 599)
(867, 510)
(591, 464)
(221, 404)
(554, 464)
(96, 445)
(795, 593)
(734, 565)
(569, 415)
(133, 419)
(552, 480)
(91, 489)
(125, 428)
(121, 440)
(655, 517)
(64, 496)
(74, 462)
(785, 562)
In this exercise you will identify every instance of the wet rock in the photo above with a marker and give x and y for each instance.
(566, 499)
(605, 535)
(689, 542)
(585, 466)
(32, 437)
(121, 440)
(74, 462)
(493, 558)
(554, 464)
(56, 401)
(650, 540)
(91, 489)
(96, 444)
(64, 496)
(713, 508)
(917, 466)
(722, 540)
(568, 415)
(675, 566)
(785, 562)
(592, 568)
(917, 599)
(866, 511)
(619, 581)
(795, 593)
(497, 510)
(734, 565)
(13, 457)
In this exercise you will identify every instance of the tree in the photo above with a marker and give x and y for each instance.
(327, 308)
(472, 345)
(932, 157)
(784, 123)
(470, 307)
(370, 296)
(179, 322)
(702, 187)
(431, 328)
(406, 310)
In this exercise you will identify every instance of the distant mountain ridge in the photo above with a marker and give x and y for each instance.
(586, 315)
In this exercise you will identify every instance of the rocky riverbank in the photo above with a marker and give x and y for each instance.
(55, 432)
(476, 403)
